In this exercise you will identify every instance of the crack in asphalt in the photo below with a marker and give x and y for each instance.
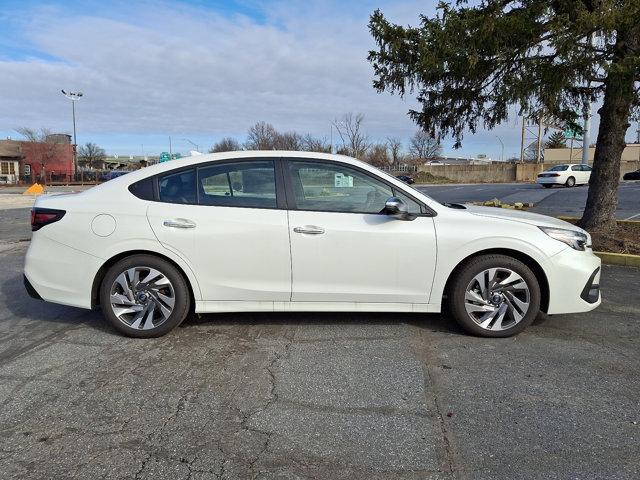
(429, 359)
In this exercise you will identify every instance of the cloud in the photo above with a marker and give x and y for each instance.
(151, 69)
(193, 70)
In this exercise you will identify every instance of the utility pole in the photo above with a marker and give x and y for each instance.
(73, 96)
(524, 119)
(194, 144)
(170, 152)
(331, 138)
(539, 154)
(502, 152)
(585, 133)
(587, 119)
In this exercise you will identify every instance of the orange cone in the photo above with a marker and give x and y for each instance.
(35, 189)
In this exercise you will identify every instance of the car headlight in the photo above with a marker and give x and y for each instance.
(575, 239)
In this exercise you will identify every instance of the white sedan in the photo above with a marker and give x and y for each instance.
(298, 231)
(566, 174)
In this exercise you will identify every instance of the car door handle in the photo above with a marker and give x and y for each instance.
(179, 223)
(309, 229)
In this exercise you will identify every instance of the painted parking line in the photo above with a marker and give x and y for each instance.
(633, 216)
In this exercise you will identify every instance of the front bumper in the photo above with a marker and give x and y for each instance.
(591, 291)
(574, 281)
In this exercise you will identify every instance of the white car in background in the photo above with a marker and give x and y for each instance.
(569, 174)
(280, 231)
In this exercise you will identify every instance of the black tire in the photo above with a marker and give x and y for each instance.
(547, 185)
(465, 275)
(570, 182)
(182, 299)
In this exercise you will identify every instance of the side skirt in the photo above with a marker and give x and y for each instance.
(233, 306)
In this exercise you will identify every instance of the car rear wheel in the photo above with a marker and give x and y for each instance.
(547, 185)
(494, 296)
(570, 182)
(144, 296)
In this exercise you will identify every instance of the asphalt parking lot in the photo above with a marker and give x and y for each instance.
(326, 396)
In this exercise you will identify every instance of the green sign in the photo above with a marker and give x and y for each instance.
(572, 131)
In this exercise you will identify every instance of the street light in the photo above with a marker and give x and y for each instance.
(73, 96)
(502, 153)
(195, 145)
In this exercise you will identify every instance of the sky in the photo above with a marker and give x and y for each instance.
(198, 71)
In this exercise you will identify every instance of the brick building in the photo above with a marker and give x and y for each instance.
(50, 161)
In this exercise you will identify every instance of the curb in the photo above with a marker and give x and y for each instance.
(622, 259)
(622, 222)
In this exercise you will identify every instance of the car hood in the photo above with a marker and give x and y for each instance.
(521, 216)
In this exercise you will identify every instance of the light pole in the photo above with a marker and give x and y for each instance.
(194, 144)
(73, 96)
(502, 152)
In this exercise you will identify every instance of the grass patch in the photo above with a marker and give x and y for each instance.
(623, 238)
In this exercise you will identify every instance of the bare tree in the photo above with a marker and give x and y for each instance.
(313, 144)
(227, 144)
(378, 155)
(394, 146)
(42, 146)
(261, 136)
(287, 141)
(354, 141)
(424, 146)
(91, 155)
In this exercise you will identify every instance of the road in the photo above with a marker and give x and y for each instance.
(317, 396)
(549, 201)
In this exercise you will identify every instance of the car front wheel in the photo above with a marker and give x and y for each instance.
(494, 296)
(144, 296)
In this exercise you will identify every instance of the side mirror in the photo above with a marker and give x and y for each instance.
(395, 207)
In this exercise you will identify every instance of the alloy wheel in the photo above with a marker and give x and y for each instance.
(497, 299)
(142, 298)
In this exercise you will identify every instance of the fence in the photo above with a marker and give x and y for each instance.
(501, 172)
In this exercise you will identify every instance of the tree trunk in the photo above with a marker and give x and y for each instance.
(602, 200)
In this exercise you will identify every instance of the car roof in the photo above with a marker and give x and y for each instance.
(123, 181)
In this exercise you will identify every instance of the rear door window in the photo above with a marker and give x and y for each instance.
(178, 187)
(238, 184)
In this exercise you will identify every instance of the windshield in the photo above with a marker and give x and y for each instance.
(558, 168)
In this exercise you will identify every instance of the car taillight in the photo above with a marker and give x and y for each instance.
(554, 174)
(44, 216)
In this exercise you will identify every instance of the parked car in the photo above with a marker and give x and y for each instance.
(298, 231)
(567, 175)
(632, 175)
(110, 175)
(406, 179)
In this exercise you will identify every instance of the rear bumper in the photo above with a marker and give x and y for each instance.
(30, 290)
(550, 180)
(58, 273)
(574, 282)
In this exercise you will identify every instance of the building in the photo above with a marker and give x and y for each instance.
(631, 153)
(10, 157)
(50, 161)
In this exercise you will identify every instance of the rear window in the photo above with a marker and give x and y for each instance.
(558, 168)
(143, 189)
